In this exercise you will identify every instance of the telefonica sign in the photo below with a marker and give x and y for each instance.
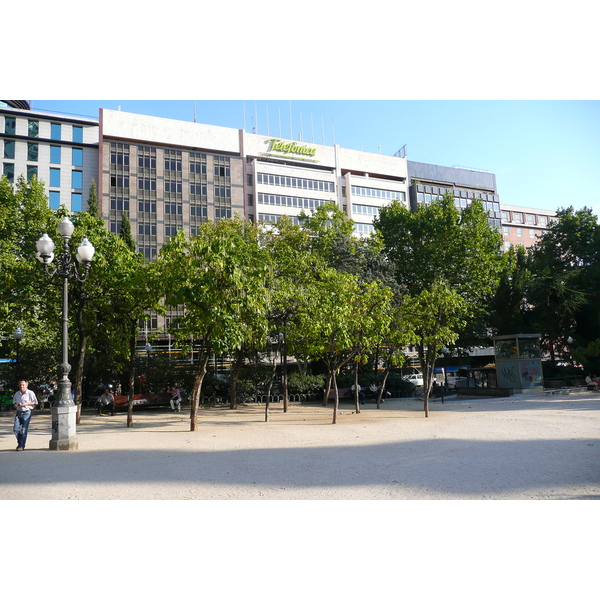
(284, 147)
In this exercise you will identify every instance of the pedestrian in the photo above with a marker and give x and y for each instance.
(24, 401)
(106, 401)
(175, 399)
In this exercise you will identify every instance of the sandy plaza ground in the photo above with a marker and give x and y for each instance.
(466, 453)
(528, 446)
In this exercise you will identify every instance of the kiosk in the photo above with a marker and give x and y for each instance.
(518, 361)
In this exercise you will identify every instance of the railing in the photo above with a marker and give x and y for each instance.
(262, 398)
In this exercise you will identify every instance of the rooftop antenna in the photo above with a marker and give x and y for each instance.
(194, 111)
(267, 119)
(256, 117)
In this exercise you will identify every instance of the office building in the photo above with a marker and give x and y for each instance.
(171, 175)
(522, 226)
(60, 151)
(428, 182)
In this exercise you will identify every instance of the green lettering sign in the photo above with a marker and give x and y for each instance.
(277, 145)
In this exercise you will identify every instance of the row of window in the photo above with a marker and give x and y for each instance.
(33, 129)
(291, 201)
(173, 208)
(364, 209)
(532, 232)
(469, 194)
(267, 218)
(76, 179)
(368, 192)
(460, 202)
(76, 200)
(364, 228)
(55, 153)
(295, 182)
(519, 217)
(76, 176)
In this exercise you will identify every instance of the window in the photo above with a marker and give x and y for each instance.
(76, 202)
(55, 155)
(33, 129)
(32, 151)
(77, 134)
(518, 217)
(54, 177)
(542, 221)
(385, 194)
(531, 219)
(31, 172)
(77, 157)
(77, 180)
(9, 149)
(519, 232)
(9, 172)
(55, 131)
(532, 233)
(54, 200)
(10, 125)
(505, 230)
(250, 200)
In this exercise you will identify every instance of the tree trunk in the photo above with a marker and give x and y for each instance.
(337, 400)
(356, 398)
(270, 387)
(197, 389)
(79, 376)
(284, 381)
(424, 369)
(235, 375)
(327, 388)
(132, 353)
(382, 386)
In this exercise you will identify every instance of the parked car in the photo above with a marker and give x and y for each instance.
(414, 378)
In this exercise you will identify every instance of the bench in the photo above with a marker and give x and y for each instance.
(343, 394)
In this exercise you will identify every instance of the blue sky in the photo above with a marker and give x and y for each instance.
(545, 154)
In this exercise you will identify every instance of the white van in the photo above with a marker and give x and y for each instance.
(415, 378)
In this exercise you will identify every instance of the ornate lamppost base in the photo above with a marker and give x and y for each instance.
(64, 428)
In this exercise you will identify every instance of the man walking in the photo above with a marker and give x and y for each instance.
(24, 401)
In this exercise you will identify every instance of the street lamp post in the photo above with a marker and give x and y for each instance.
(64, 410)
(18, 335)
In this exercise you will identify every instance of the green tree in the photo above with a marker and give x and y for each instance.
(93, 206)
(434, 318)
(293, 268)
(564, 291)
(26, 299)
(442, 254)
(508, 311)
(219, 279)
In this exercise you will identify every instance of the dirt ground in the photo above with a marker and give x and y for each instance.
(529, 446)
